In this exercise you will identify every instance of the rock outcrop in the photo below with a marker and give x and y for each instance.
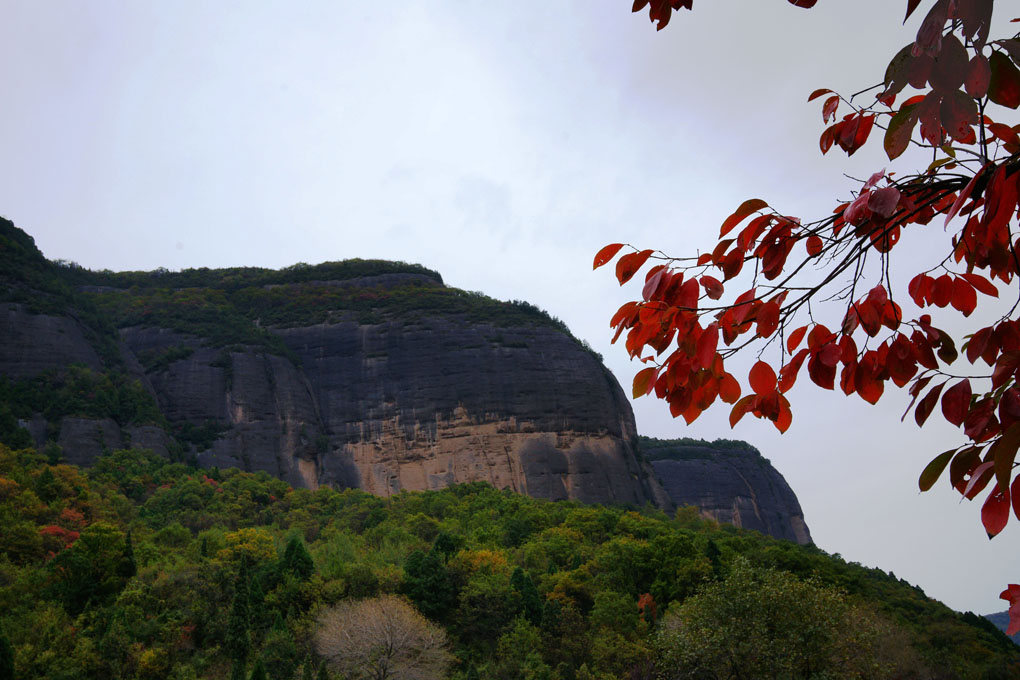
(364, 374)
(730, 482)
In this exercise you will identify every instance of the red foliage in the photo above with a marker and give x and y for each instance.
(684, 328)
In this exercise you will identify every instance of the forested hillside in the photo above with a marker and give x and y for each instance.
(142, 568)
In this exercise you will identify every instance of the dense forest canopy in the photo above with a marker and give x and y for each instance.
(143, 568)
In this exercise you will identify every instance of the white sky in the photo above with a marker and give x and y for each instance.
(502, 144)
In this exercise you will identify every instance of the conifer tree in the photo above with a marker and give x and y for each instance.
(258, 671)
(238, 636)
(127, 567)
(297, 560)
(307, 669)
(323, 673)
(530, 599)
(6, 657)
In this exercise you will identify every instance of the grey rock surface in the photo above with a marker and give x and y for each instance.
(735, 486)
(31, 344)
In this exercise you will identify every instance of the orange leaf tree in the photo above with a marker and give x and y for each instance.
(818, 292)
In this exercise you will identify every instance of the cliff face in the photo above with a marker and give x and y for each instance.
(354, 374)
(732, 484)
(382, 380)
(395, 405)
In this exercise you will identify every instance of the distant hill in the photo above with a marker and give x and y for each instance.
(1001, 621)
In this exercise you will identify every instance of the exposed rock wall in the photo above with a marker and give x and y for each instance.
(411, 406)
(736, 486)
(33, 343)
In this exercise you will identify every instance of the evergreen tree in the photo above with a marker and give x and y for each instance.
(323, 672)
(256, 606)
(238, 635)
(531, 601)
(279, 653)
(446, 545)
(427, 582)
(127, 567)
(258, 671)
(237, 670)
(46, 486)
(6, 657)
(297, 560)
(307, 668)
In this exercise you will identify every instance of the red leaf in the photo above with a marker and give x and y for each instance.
(964, 297)
(956, 402)
(829, 108)
(729, 388)
(883, 201)
(821, 373)
(713, 289)
(979, 75)
(1005, 454)
(814, 245)
(1014, 492)
(768, 318)
(818, 93)
(785, 417)
(746, 208)
(806, 4)
(942, 291)
(643, 381)
(977, 344)
(1004, 86)
(982, 284)
(927, 404)
(965, 194)
(707, 344)
(740, 409)
(995, 512)
(606, 254)
(795, 338)
(788, 373)
(762, 378)
(1012, 595)
(911, 6)
(951, 64)
(818, 336)
(629, 265)
(958, 112)
(979, 476)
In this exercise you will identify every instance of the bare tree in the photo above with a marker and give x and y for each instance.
(381, 638)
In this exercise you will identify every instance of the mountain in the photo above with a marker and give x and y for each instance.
(1001, 621)
(729, 481)
(363, 373)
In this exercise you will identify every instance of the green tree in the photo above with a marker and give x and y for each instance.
(297, 560)
(279, 653)
(127, 567)
(531, 601)
(89, 571)
(258, 671)
(427, 582)
(6, 657)
(238, 634)
(761, 623)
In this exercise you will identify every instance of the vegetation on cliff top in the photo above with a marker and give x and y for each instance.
(239, 305)
(141, 568)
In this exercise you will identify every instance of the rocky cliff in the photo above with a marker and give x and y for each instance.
(363, 374)
(730, 482)
(355, 374)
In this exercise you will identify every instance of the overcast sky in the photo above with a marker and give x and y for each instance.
(502, 144)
